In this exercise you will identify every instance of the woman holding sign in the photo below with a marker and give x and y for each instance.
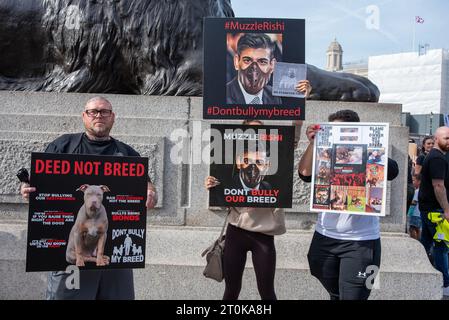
(252, 229)
(345, 251)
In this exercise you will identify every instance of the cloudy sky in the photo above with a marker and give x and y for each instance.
(354, 24)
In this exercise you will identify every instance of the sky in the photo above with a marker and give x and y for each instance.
(355, 26)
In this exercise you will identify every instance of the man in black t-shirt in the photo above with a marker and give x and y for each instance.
(433, 197)
(98, 119)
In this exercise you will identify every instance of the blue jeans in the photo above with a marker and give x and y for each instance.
(440, 250)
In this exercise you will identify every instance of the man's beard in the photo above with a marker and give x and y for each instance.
(251, 176)
(101, 132)
(443, 147)
(253, 79)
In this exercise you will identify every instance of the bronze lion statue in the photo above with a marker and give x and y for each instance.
(149, 47)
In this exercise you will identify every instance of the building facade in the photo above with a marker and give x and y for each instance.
(420, 82)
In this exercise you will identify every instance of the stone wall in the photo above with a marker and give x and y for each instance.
(30, 120)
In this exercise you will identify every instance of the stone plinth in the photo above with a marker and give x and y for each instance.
(182, 225)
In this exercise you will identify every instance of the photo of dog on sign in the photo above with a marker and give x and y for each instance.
(88, 235)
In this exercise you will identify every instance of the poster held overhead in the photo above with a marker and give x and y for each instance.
(240, 56)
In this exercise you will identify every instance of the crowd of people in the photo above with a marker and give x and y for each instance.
(344, 246)
(429, 176)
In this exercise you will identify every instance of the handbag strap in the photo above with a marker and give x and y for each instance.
(225, 223)
(221, 234)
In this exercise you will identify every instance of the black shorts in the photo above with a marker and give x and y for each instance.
(346, 268)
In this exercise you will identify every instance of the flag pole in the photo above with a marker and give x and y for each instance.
(414, 34)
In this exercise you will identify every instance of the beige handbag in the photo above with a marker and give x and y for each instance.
(214, 256)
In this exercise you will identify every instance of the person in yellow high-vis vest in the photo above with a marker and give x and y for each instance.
(442, 227)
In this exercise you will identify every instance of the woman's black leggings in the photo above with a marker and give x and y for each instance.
(238, 242)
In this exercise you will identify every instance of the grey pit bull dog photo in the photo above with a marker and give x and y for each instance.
(88, 235)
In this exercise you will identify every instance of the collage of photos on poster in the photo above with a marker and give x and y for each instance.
(350, 168)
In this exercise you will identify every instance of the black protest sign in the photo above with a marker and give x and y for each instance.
(87, 211)
(240, 56)
(253, 164)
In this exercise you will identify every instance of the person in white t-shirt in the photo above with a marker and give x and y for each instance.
(345, 248)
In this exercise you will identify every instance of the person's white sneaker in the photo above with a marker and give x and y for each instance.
(446, 291)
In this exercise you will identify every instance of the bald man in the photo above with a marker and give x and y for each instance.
(433, 197)
(115, 284)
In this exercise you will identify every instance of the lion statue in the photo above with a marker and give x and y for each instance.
(145, 47)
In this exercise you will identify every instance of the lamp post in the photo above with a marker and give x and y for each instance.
(431, 122)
